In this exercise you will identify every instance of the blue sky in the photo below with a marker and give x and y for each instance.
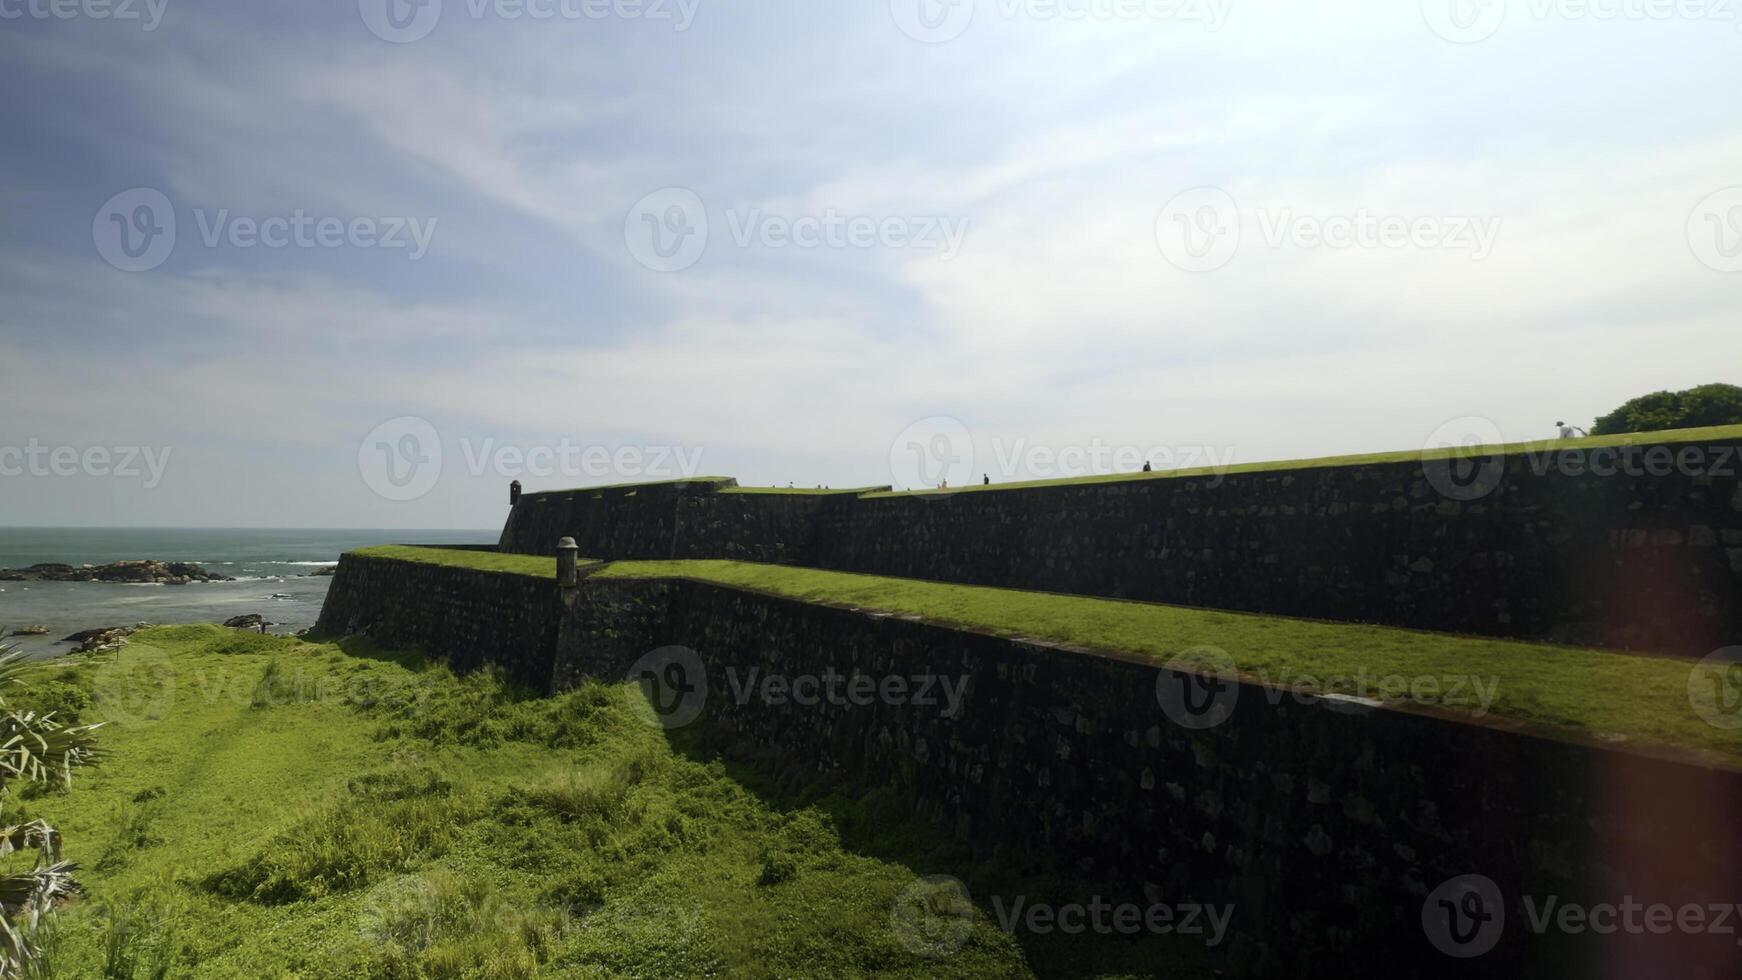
(1012, 174)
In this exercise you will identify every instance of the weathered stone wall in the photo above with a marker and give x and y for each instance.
(464, 617)
(1640, 562)
(616, 522)
(1326, 825)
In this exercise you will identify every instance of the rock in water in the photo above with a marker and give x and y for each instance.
(105, 639)
(130, 572)
(252, 621)
(31, 631)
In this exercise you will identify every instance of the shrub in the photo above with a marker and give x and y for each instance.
(1707, 405)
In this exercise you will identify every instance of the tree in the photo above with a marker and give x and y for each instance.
(33, 748)
(1714, 404)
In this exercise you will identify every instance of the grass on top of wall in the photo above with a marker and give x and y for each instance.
(1643, 700)
(805, 491)
(1716, 434)
(483, 561)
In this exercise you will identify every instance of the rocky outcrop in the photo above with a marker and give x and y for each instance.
(31, 631)
(252, 621)
(104, 639)
(138, 572)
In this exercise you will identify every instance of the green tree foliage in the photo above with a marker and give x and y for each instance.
(33, 748)
(1714, 404)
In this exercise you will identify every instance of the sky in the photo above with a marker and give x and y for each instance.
(360, 263)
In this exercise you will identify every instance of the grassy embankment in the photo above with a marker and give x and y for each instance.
(1595, 693)
(484, 561)
(1721, 434)
(277, 808)
(1592, 692)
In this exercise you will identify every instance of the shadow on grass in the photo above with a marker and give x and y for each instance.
(881, 823)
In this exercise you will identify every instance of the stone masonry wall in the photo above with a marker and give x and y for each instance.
(464, 617)
(1325, 824)
(1566, 555)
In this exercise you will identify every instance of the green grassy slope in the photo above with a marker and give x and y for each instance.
(1714, 434)
(484, 561)
(1642, 699)
(276, 808)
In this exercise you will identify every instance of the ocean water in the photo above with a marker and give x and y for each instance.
(272, 568)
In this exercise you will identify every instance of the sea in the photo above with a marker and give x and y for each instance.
(273, 571)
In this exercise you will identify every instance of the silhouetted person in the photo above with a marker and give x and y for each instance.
(1148, 467)
(987, 481)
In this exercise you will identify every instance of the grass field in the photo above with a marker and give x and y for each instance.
(1714, 434)
(484, 561)
(1593, 692)
(277, 808)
